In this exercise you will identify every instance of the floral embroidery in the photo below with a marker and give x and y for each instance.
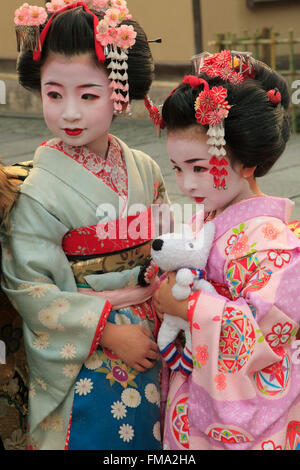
(270, 231)
(117, 371)
(220, 380)
(41, 341)
(237, 243)
(48, 318)
(37, 291)
(279, 257)
(41, 383)
(202, 354)
(16, 441)
(112, 171)
(152, 394)
(126, 432)
(118, 410)
(71, 370)
(54, 422)
(90, 319)
(241, 246)
(68, 351)
(156, 431)
(84, 386)
(94, 361)
(270, 445)
(281, 334)
(131, 397)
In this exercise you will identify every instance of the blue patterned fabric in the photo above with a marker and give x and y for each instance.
(116, 407)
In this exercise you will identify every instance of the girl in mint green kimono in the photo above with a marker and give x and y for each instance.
(89, 329)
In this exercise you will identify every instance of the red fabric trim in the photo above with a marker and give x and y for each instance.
(193, 298)
(68, 432)
(85, 240)
(101, 325)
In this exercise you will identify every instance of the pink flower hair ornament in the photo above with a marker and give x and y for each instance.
(112, 39)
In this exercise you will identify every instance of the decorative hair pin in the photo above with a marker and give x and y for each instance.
(211, 106)
(231, 66)
(27, 21)
(158, 40)
(112, 39)
(274, 96)
(154, 115)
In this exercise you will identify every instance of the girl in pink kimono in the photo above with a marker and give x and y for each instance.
(226, 127)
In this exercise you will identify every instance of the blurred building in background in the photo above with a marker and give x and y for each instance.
(186, 26)
(270, 29)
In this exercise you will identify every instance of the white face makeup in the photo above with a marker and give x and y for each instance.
(76, 100)
(188, 151)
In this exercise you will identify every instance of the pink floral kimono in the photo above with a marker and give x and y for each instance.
(244, 388)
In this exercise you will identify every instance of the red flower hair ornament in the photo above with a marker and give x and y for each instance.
(211, 108)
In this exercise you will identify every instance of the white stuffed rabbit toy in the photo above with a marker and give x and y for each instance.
(188, 256)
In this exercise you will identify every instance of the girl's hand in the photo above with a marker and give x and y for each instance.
(164, 302)
(132, 344)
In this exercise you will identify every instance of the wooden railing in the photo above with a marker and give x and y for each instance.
(278, 53)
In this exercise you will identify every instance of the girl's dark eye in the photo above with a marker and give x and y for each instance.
(177, 169)
(199, 169)
(90, 96)
(54, 95)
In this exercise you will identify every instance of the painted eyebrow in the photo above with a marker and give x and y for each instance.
(88, 85)
(192, 160)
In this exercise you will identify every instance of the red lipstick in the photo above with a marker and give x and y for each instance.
(73, 132)
(199, 199)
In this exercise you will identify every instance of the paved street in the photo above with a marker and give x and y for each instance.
(20, 137)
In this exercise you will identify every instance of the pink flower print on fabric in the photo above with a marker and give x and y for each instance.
(270, 231)
(202, 354)
(237, 244)
(230, 242)
(279, 257)
(270, 445)
(241, 247)
(220, 380)
(280, 334)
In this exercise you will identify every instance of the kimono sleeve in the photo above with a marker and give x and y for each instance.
(237, 343)
(61, 326)
(162, 210)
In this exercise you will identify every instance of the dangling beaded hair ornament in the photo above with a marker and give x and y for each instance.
(112, 40)
(211, 106)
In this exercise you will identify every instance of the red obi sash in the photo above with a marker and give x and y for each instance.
(112, 236)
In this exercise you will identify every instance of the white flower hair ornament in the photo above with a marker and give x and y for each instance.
(112, 39)
(188, 256)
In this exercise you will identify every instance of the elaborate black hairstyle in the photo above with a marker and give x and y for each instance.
(71, 33)
(256, 130)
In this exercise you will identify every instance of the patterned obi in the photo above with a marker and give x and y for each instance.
(115, 246)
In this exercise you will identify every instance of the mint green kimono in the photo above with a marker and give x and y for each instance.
(62, 327)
